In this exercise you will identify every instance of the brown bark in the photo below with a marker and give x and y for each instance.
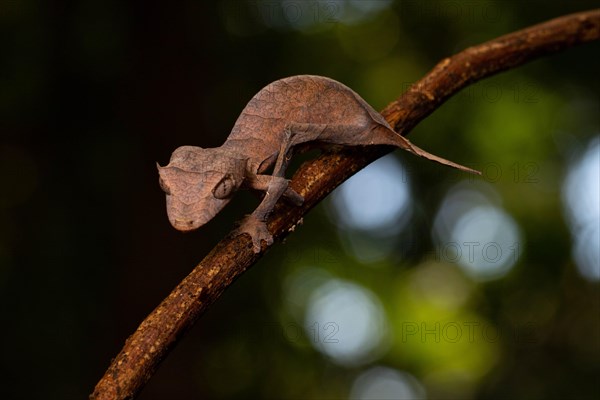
(160, 331)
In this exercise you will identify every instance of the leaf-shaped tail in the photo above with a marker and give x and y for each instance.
(422, 153)
(395, 139)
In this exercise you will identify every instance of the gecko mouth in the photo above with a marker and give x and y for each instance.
(186, 222)
(185, 225)
(188, 217)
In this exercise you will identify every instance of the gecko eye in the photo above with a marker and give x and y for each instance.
(224, 188)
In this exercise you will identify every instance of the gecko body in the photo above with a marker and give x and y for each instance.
(303, 109)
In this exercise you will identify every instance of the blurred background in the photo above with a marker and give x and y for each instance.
(410, 281)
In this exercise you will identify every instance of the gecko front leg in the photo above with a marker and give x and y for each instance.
(277, 185)
(255, 223)
(261, 183)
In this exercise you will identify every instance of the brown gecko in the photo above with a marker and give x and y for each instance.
(302, 109)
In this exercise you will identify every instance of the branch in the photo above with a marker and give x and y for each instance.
(161, 330)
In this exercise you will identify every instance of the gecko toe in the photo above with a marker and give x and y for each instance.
(257, 230)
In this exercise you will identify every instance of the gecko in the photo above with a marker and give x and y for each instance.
(287, 113)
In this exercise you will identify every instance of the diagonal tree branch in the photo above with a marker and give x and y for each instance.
(161, 330)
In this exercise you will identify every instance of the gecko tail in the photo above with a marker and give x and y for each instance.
(385, 135)
(422, 153)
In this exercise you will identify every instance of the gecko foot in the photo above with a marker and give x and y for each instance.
(257, 230)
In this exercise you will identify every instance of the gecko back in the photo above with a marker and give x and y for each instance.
(302, 99)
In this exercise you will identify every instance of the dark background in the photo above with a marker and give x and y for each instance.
(93, 93)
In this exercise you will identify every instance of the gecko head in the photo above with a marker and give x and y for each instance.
(198, 184)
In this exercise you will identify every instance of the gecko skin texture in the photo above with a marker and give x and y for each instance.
(302, 109)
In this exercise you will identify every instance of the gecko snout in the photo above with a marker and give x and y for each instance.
(185, 225)
(188, 216)
(185, 220)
